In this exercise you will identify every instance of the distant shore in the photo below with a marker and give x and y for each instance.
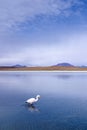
(48, 68)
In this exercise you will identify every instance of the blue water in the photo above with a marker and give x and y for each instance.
(62, 106)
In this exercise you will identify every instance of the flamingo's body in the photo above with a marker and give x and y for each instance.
(33, 100)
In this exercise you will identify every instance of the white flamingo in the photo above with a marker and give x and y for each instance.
(33, 100)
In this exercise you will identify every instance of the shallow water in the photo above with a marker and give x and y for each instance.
(63, 103)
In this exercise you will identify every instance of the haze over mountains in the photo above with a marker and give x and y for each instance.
(64, 64)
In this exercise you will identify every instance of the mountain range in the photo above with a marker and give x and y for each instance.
(64, 64)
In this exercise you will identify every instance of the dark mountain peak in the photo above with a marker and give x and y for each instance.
(64, 64)
(18, 65)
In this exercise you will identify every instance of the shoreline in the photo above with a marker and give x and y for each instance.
(44, 69)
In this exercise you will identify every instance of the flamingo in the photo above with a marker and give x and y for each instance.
(33, 100)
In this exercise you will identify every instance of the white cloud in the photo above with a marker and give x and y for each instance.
(72, 50)
(12, 13)
(13, 48)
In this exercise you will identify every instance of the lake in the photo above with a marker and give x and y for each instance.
(62, 106)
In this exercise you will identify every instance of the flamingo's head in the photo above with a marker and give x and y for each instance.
(38, 96)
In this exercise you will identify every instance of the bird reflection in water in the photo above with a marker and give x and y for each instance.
(32, 108)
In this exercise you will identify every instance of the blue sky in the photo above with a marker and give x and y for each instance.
(43, 32)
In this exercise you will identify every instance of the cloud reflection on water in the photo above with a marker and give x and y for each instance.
(55, 83)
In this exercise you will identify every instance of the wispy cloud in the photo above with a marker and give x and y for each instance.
(74, 51)
(13, 13)
(56, 41)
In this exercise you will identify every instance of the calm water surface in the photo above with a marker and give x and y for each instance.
(63, 103)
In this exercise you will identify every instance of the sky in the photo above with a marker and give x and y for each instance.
(43, 32)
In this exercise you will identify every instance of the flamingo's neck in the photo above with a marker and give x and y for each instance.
(36, 99)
